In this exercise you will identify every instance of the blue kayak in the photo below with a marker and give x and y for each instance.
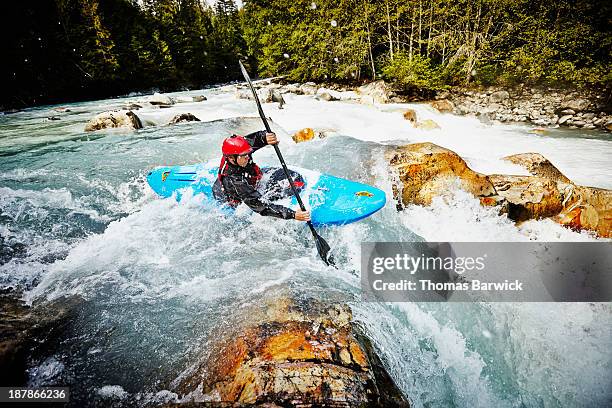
(331, 200)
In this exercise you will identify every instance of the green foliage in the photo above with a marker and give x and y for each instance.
(68, 49)
(415, 73)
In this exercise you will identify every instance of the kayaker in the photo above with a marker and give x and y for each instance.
(238, 176)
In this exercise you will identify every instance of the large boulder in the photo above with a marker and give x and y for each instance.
(443, 105)
(184, 117)
(426, 170)
(537, 165)
(300, 354)
(375, 92)
(114, 119)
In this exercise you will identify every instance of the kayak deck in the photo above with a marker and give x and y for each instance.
(331, 200)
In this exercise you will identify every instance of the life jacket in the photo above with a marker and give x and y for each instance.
(253, 178)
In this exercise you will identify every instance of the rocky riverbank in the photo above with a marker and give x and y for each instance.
(543, 107)
(587, 110)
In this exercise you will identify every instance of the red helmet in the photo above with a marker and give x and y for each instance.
(236, 145)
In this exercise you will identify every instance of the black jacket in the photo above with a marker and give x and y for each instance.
(237, 184)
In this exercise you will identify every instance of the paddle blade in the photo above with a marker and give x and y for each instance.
(323, 249)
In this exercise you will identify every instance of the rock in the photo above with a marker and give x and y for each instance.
(132, 106)
(184, 117)
(443, 105)
(588, 116)
(589, 126)
(569, 112)
(579, 123)
(309, 88)
(586, 208)
(294, 89)
(528, 197)
(443, 95)
(576, 105)
(411, 116)
(427, 124)
(538, 131)
(296, 357)
(499, 96)
(14, 340)
(426, 170)
(53, 118)
(114, 119)
(564, 119)
(378, 91)
(199, 98)
(303, 135)
(537, 165)
(243, 94)
(608, 125)
(264, 95)
(277, 96)
(325, 97)
(159, 99)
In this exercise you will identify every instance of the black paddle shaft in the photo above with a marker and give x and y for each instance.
(322, 246)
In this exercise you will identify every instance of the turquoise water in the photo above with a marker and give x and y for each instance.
(156, 280)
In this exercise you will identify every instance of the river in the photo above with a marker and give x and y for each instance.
(155, 278)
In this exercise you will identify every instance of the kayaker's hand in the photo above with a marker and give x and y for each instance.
(271, 138)
(302, 215)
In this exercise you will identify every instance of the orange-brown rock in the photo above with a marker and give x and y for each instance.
(587, 208)
(528, 197)
(537, 165)
(303, 135)
(426, 170)
(411, 116)
(304, 358)
(443, 105)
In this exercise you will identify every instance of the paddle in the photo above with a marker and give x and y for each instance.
(322, 246)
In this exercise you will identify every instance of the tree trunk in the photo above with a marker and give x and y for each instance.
(389, 32)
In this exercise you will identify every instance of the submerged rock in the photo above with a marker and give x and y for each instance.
(114, 119)
(184, 117)
(426, 170)
(528, 197)
(427, 124)
(306, 354)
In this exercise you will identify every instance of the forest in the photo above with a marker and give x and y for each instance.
(65, 50)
